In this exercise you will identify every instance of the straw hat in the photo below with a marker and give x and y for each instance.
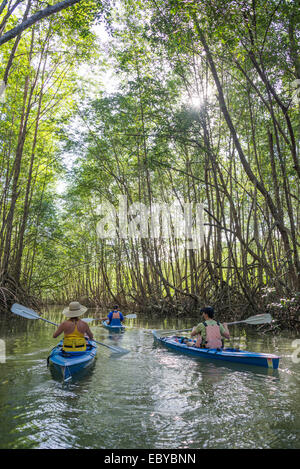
(74, 310)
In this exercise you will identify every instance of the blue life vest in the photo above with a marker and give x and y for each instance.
(115, 318)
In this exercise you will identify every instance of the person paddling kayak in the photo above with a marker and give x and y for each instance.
(74, 329)
(114, 317)
(209, 332)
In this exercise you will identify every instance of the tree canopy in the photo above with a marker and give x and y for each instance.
(205, 115)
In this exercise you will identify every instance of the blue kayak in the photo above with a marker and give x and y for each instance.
(71, 363)
(226, 354)
(120, 328)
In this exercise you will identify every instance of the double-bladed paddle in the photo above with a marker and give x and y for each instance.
(129, 316)
(258, 319)
(28, 313)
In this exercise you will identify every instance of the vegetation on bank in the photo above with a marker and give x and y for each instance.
(205, 111)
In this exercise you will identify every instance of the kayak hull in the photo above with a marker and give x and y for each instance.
(113, 328)
(242, 357)
(70, 364)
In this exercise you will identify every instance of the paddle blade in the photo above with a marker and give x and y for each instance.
(87, 320)
(130, 316)
(21, 310)
(259, 319)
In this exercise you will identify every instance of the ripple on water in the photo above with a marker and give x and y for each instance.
(149, 398)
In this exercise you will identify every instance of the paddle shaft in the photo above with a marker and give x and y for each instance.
(111, 347)
(87, 320)
(36, 316)
(252, 320)
(236, 322)
(129, 316)
(97, 342)
(50, 322)
(228, 324)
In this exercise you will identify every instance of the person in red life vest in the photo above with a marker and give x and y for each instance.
(209, 333)
(115, 317)
(75, 331)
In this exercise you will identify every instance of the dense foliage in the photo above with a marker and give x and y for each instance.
(205, 111)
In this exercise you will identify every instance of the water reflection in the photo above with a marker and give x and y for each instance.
(149, 398)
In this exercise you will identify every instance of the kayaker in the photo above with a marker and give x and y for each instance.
(209, 332)
(74, 329)
(114, 317)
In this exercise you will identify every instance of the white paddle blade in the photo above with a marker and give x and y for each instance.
(87, 320)
(260, 319)
(24, 312)
(130, 316)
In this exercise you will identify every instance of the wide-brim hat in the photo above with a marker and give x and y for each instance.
(74, 310)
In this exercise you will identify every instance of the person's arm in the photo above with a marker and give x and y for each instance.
(59, 330)
(121, 317)
(88, 332)
(196, 330)
(224, 331)
(109, 316)
(200, 332)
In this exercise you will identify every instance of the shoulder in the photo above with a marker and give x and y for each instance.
(82, 326)
(81, 322)
(62, 326)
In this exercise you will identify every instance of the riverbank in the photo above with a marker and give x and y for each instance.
(164, 399)
(285, 313)
(285, 310)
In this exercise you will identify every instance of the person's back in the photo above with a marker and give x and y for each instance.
(115, 317)
(213, 335)
(74, 335)
(210, 332)
(74, 329)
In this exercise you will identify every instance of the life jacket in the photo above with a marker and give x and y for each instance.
(115, 320)
(213, 335)
(75, 341)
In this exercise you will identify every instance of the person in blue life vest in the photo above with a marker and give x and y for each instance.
(209, 333)
(115, 317)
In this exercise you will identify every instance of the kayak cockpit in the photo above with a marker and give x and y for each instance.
(226, 354)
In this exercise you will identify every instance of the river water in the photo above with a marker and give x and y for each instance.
(150, 398)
